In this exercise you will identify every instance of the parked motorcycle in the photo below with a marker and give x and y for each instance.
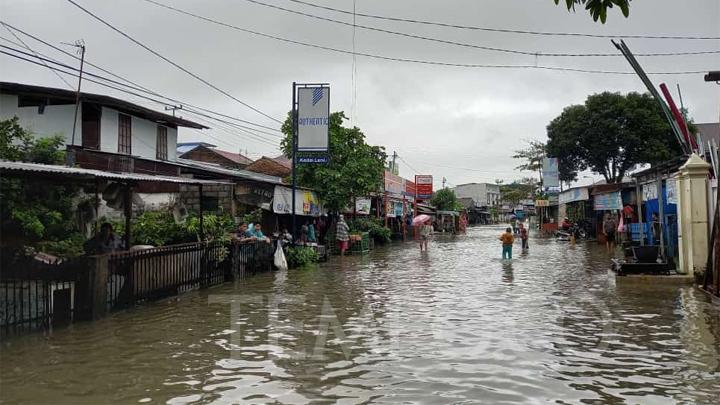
(579, 232)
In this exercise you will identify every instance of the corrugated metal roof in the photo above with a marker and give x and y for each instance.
(235, 173)
(90, 174)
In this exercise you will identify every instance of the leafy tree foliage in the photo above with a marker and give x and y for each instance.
(355, 169)
(598, 8)
(445, 200)
(532, 157)
(611, 134)
(519, 190)
(32, 213)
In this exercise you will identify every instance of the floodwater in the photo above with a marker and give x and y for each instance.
(455, 325)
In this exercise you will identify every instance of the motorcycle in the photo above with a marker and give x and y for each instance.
(575, 230)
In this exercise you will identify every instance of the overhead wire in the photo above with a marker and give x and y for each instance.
(139, 86)
(238, 127)
(467, 45)
(170, 61)
(407, 60)
(26, 46)
(509, 31)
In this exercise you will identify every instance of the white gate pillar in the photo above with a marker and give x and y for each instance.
(693, 231)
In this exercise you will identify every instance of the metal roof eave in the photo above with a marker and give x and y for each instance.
(25, 169)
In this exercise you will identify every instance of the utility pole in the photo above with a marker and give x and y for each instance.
(444, 181)
(394, 167)
(80, 45)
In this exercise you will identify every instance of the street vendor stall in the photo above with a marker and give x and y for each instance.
(447, 221)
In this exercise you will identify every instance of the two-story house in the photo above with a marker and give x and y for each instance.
(484, 194)
(109, 133)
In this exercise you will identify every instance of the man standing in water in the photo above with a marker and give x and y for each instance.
(507, 240)
(523, 236)
(342, 235)
(425, 232)
(609, 228)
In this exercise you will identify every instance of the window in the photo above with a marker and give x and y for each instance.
(161, 148)
(124, 134)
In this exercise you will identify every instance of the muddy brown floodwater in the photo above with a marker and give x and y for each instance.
(455, 325)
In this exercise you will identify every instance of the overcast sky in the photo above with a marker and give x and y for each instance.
(453, 122)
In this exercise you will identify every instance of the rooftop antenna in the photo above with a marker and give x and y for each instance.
(173, 108)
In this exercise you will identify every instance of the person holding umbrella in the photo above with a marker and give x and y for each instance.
(425, 229)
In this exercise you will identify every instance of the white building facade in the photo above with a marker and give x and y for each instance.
(484, 194)
(104, 124)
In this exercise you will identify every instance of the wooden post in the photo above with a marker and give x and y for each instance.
(128, 215)
(200, 198)
(91, 289)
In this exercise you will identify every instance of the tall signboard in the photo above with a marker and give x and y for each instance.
(313, 119)
(311, 136)
(423, 187)
(551, 175)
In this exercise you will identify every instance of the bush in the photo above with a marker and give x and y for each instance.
(376, 229)
(299, 256)
(158, 228)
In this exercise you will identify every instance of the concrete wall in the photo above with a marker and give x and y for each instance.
(55, 119)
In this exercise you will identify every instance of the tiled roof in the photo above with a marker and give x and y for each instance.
(235, 157)
(269, 166)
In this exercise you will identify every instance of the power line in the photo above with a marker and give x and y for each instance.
(168, 60)
(26, 46)
(138, 86)
(509, 31)
(240, 128)
(467, 45)
(406, 60)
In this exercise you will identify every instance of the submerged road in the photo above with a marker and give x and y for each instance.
(455, 325)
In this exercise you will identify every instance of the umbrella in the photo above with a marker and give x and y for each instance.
(421, 219)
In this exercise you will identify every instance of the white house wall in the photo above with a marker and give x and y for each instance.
(109, 130)
(144, 136)
(55, 119)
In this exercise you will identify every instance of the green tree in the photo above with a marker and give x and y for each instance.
(445, 200)
(355, 169)
(598, 8)
(34, 214)
(611, 134)
(526, 188)
(532, 157)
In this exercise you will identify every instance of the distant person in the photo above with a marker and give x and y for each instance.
(304, 233)
(342, 234)
(609, 229)
(311, 235)
(513, 224)
(655, 228)
(566, 225)
(507, 240)
(104, 242)
(258, 234)
(425, 232)
(524, 236)
(321, 228)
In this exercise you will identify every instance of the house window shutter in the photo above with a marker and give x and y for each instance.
(161, 147)
(124, 134)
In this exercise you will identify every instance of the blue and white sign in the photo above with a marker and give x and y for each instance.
(313, 119)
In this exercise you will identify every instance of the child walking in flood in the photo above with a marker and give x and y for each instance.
(507, 240)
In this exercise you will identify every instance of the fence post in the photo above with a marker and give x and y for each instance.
(91, 291)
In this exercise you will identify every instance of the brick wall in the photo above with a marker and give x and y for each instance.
(190, 196)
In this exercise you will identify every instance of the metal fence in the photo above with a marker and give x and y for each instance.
(155, 273)
(35, 295)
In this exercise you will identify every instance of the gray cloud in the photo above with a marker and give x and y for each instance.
(455, 122)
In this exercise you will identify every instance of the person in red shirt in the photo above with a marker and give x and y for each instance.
(523, 236)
